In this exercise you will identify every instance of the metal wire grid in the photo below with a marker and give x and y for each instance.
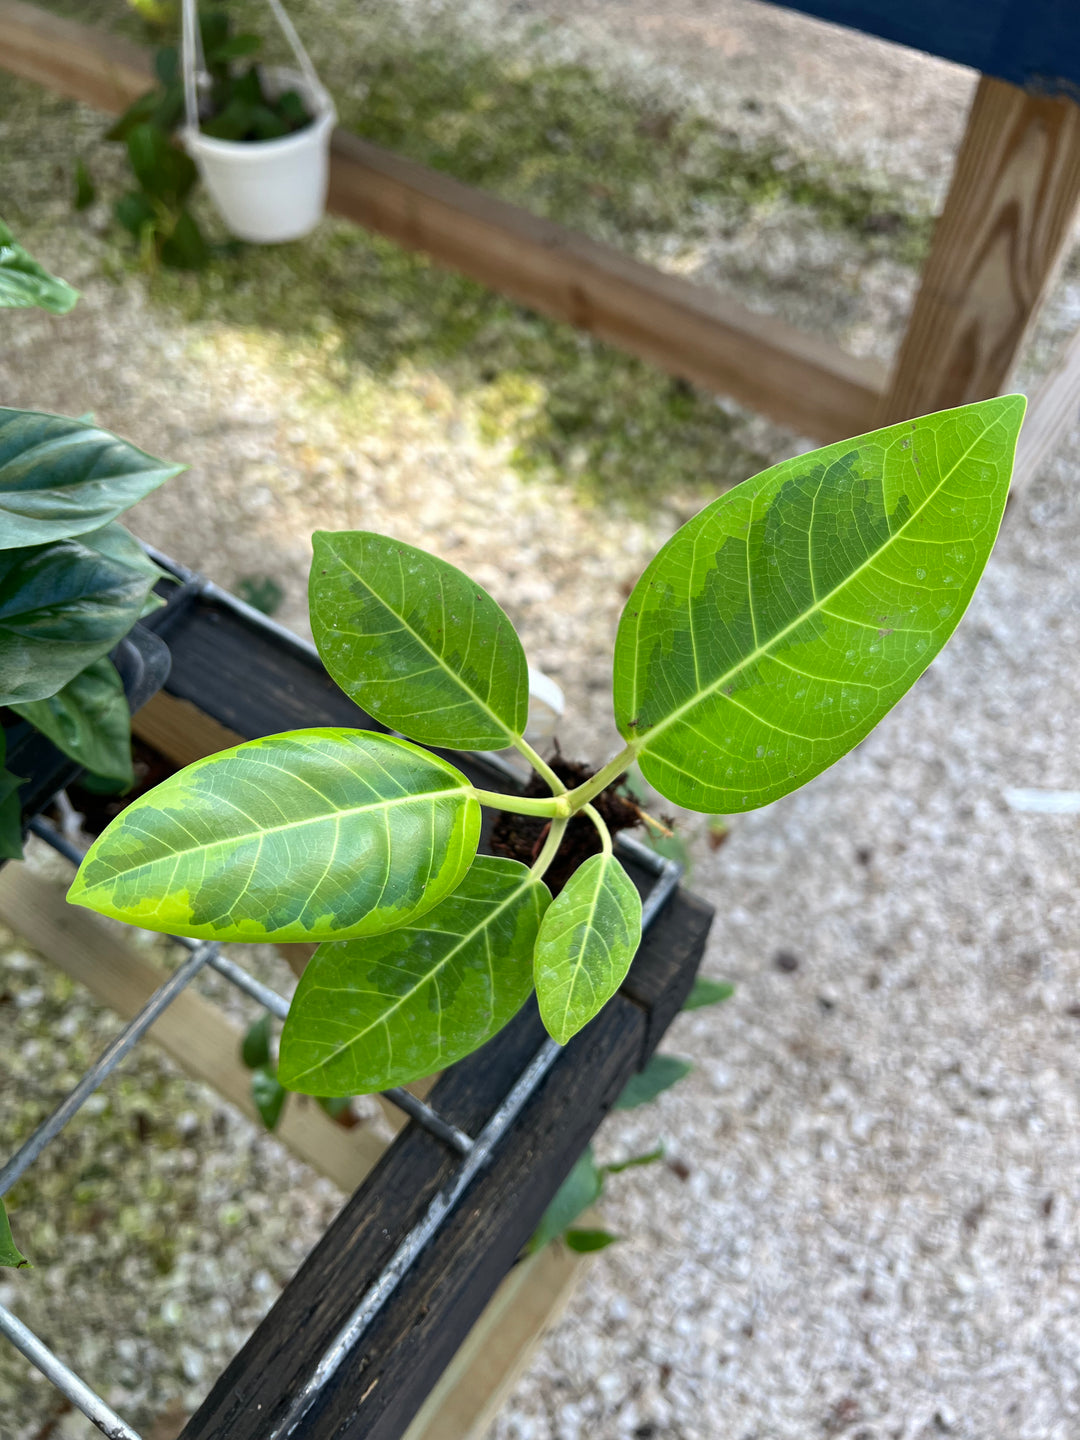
(474, 1151)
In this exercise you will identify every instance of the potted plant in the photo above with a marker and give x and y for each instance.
(769, 636)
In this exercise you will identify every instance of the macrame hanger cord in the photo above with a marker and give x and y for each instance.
(288, 29)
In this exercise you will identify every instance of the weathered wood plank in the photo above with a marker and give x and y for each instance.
(1053, 411)
(202, 1041)
(500, 1345)
(692, 332)
(1008, 214)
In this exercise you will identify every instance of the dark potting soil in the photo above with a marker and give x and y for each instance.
(520, 837)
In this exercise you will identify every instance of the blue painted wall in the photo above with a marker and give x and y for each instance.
(1032, 43)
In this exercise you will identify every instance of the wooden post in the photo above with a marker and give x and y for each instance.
(1007, 216)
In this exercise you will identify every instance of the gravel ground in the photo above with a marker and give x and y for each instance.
(876, 1235)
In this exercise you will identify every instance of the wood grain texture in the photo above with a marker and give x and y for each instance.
(995, 249)
(697, 334)
(1053, 411)
(192, 1030)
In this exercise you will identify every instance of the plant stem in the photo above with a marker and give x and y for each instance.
(551, 845)
(602, 779)
(598, 820)
(553, 807)
(540, 765)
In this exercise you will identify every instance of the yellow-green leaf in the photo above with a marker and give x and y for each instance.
(775, 629)
(301, 836)
(372, 1013)
(586, 943)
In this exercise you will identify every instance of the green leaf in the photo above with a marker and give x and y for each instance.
(85, 189)
(659, 1075)
(62, 606)
(585, 1242)
(255, 1047)
(269, 1096)
(334, 1105)
(119, 544)
(137, 113)
(185, 248)
(61, 477)
(135, 212)
(707, 992)
(302, 836)
(25, 284)
(416, 642)
(9, 1254)
(88, 719)
(235, 48)
(651, 1157)
(587, 940)
(579, 1190)
(369, 1014)
(164, 172)
(10, 816)
(776, 628)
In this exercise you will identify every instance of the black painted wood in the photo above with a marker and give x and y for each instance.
(1031, 43)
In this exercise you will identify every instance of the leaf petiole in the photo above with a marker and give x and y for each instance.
(615, 767)
(556, 807)
(598, 820)
(551, 845)
(540, 765)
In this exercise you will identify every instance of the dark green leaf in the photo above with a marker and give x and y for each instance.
(269, 1096)
(335, 1105)
(164, 172)
(579, 1190)
(292, 110)
(236, 47)
(185, 248)
(651, 1157)
(135, 213)
(302, 836)
(776, 628)
(9, 1255)
(62, 606)
(10, 816)
(25, 284)
(88, 719)
(584, 1242)
(418, 644)
(85, 190)
(118, 543)
(61, 477)
(167, 64)
(137, 113)
(372, 1013)
(587, 940)
(255, 1049)
(660, 1074)
(233, 122)
(708, 992)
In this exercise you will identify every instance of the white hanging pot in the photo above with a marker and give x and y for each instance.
(269, 191)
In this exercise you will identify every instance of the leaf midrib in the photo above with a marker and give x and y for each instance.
(642, 741)
(452, 674)
(332, 814)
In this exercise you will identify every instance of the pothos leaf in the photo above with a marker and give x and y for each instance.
(659, 1075)
(61, 477)
(417, 643)
(775, 629)
(89, 720)
(707, 992)
(579, 1190)
(10, 816)
(25, 284)
(9, 1253)
(255, 1047)
(269, 1096)
(62, 606)
(372, 1013)
(587, 940)
(292, 837)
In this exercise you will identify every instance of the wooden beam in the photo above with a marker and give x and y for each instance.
(1053, 411)
(494, 1354)
(193, 1031)
(1008, 214)
(698, 334)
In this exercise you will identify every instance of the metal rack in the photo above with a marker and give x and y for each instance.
(473, 1152)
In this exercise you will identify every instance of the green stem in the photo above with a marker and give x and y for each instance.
(540, 765)
(552, 807)
(602, 779)
(551, 845)
(598, 820)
